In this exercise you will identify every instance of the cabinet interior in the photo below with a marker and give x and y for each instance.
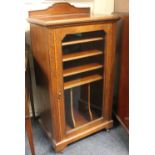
(83, 72)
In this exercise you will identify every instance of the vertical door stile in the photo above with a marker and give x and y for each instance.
(59, 81)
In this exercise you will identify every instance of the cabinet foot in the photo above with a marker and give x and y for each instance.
(60, 148)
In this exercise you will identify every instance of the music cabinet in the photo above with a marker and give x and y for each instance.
(74, 58)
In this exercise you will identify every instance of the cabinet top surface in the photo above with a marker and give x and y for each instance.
(70, 19)
(64, 13)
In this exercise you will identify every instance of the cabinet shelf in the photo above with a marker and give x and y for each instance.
(83, 40)
(79, 55)
(82, 81)
(81, 69)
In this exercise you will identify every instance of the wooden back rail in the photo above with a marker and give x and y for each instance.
(60, 9)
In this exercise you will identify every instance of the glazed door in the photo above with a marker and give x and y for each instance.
(81, 65)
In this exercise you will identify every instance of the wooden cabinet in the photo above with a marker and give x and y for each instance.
(122, 112)
(74, 56)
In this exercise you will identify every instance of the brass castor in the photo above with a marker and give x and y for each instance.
(107, 130)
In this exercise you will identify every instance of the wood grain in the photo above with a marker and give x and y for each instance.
(123, 92)
(81, 69)
(28, 124)
(59, 9)
(82, 81)
(81, 41)
(64, 13)
(80, 55)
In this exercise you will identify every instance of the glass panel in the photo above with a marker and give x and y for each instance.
(83, 59)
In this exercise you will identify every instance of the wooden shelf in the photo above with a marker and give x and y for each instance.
(79, 55)
(82, 81)
(81, 41)
(81, 69)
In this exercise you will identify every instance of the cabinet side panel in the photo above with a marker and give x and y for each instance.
(42, 67)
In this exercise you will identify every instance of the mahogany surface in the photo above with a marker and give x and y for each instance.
(28, 125)
(123, 97)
